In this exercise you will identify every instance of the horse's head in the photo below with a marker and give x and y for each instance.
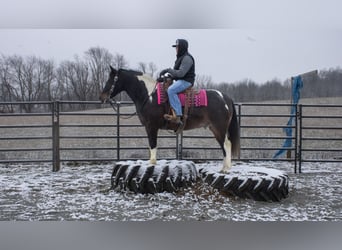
(112, 87)
(117, 82)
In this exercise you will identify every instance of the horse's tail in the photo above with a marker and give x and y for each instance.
(234, 132)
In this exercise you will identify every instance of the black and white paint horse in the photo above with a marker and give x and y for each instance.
(219, 115)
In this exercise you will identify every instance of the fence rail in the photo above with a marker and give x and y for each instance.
(52, 134)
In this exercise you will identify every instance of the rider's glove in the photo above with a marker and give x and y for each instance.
(162, 73)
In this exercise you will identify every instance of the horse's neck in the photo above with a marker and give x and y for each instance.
(137, 92)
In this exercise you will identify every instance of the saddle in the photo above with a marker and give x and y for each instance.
(189, 98)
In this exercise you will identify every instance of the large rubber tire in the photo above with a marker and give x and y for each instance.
(244, 181)
(142, 177)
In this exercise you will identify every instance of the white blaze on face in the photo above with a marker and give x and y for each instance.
(150, 83)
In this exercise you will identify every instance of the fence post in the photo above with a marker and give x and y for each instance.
(56, 165)
(296, 138)
(118, 131)
(300, 119)
(179, 146)
(239, 115)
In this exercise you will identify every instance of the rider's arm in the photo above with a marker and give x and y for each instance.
(185, 66)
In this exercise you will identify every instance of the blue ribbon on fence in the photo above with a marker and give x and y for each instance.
(297, 85)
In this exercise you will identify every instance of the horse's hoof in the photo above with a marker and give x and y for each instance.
(224, 171)
(153, 162)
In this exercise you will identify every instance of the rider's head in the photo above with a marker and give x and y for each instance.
(181, 46)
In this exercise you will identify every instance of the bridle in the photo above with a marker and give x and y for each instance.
(111, 101)
(113, 86)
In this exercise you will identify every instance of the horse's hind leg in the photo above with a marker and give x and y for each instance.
(226, 147)
(227, 160)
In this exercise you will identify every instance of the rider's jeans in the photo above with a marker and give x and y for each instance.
(173, 90)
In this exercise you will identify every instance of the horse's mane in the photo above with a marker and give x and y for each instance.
(130, 71)
(150, 83)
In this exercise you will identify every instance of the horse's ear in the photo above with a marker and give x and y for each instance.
(111, 68)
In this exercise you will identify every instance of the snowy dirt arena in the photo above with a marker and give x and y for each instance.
(34, 192)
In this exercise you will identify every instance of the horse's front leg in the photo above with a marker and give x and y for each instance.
(152, 140)
(153, 156)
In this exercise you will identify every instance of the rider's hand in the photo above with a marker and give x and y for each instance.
(162, 73)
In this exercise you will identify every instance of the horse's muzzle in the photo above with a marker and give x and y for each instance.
(104, 97)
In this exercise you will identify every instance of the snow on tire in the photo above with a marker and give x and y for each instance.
(244, 181)
(142, 177)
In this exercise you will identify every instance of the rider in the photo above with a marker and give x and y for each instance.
(183, 73)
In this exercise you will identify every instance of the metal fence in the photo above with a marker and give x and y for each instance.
(53, 133)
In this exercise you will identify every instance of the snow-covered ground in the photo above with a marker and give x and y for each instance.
(34, 192)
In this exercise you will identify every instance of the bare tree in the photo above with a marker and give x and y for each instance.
(6, 90)
(99, 60)
(46, 70)
(5, 86)
(203, 81)
(29, 78)
(76, 77)
(147, 68)
(152, 69)
(142, 67)
(119, 61)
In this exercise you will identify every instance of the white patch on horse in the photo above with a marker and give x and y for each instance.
(153, 155)
(226, 106)
(227, 161)
(219, 93)
(150, 83)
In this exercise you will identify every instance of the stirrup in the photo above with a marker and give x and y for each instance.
(179, 128)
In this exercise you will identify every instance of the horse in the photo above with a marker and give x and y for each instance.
(219, 115)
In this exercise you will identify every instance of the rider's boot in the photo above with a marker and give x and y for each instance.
(172, 117)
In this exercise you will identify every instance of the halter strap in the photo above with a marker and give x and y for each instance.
(113, 86)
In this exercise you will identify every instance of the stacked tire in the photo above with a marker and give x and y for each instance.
(244, 181)
(143, 177)
(256, 183)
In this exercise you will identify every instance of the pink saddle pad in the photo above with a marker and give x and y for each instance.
(199, 98)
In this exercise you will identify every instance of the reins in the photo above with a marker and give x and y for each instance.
(113, 103)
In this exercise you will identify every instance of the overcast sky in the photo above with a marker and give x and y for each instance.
(230, 40)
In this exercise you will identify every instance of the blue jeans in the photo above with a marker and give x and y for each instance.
(173, 90)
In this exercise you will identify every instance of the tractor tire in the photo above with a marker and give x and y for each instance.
(244, 181)
(142, 177)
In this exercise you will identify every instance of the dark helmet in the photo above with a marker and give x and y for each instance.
(182, 45)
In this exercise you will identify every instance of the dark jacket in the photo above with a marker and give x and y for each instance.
(184, 67)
